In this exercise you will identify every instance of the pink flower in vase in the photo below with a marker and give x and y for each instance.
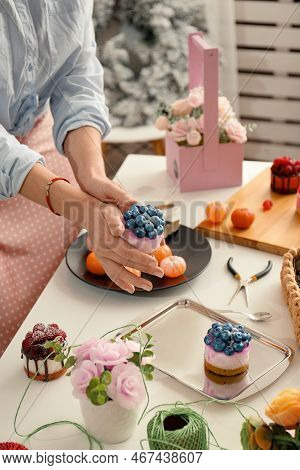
(235, 131)
(179, 130)
(109, 354)
(83, 351)
(224, 108)
(81, 376)
(126, 387)
(162, 123)
(196, 97)
(181, 107)
(193, 137)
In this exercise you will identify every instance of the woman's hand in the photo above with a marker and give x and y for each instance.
(108, 191)
(103, 224)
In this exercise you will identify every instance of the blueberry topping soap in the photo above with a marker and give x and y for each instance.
(144, 227)
(227, 349)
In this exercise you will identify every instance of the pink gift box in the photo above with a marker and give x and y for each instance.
(212, 165)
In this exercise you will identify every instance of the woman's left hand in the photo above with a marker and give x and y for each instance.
(105, 190)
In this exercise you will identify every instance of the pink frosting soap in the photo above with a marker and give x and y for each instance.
(221, 361)
(144, 244)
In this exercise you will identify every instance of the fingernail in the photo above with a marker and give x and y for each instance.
(147, 287)
(130, 290)
(159, 273)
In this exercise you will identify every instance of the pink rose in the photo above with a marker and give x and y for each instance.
(193, 137)
(83, 351)
(196, 97)
(109, 354)
(162, 123)
(225, 109)
(126, 387)
(81, 376)
(235, 131)
(179, 130)
(181, 107)
(192, 123)
(133, 346)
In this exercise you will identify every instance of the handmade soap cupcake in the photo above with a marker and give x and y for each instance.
(285, 175)
(144, 227)
(227, 349)
(225, 387)
(34, 353)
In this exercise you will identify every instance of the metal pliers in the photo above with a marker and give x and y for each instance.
(244, 283)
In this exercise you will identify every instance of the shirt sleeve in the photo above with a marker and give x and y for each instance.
(78, 98)
(16, 160)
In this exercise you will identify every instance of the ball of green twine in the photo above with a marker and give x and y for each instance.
(178, 428)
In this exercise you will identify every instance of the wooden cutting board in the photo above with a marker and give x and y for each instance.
(274, 231)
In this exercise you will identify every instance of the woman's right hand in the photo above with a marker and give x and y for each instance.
(105, 227)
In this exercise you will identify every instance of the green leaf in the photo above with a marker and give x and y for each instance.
(70, 362)
(150, 345)
(97, 397)
(49, 344)
(135, 359)
(105, 377)
(94, 382)
(57, 346)
(149, 337)
(148, 353)
(148, 369)
(149, 377)
(59, 357)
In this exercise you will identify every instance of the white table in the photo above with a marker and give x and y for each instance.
(83, 311)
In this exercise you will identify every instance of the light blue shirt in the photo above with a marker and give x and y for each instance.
(47, 55)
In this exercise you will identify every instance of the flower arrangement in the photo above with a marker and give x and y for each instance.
(184, 120)
(109, 369)
(284, 410)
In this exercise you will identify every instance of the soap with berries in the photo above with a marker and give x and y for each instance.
(38, 360)
(144, 227)
(227, 349)
(285, 175)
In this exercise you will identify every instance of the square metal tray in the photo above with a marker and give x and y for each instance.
(178, 331)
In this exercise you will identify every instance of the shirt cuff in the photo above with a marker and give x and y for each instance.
(103, 127)
(14, 172)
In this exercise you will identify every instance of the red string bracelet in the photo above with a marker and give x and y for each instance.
(48, 186)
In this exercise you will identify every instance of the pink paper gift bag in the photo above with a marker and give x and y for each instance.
(212, 165)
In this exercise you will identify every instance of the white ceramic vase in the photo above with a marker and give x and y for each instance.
(109, 423)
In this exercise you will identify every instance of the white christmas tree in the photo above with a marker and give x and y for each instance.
(145, 63)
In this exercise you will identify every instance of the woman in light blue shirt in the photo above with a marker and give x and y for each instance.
(48, 59)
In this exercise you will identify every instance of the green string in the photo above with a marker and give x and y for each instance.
(194, 435)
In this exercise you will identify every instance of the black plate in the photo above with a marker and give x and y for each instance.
(190, 244)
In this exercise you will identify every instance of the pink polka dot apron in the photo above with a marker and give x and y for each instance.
(33, 241)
